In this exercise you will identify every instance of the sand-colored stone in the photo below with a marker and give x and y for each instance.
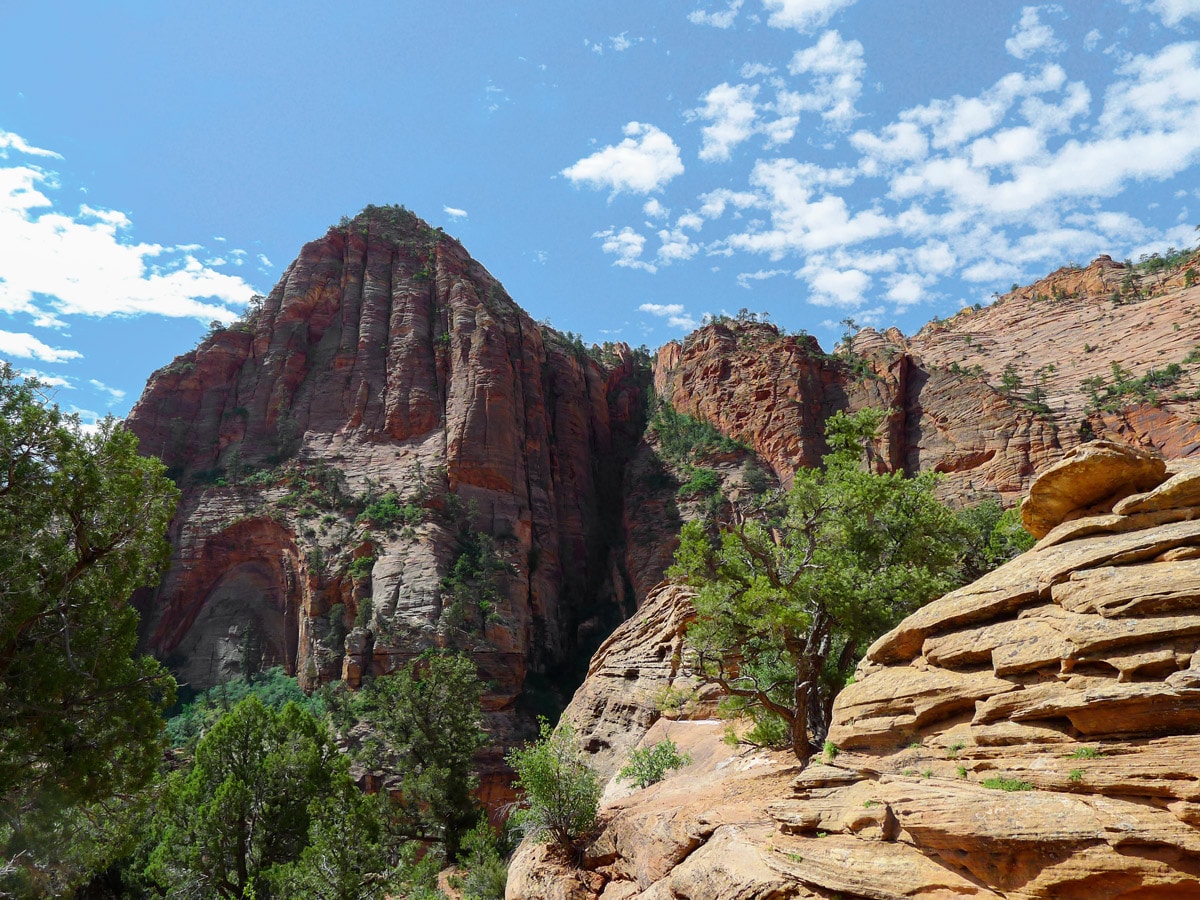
(1180, 491)
(1112, 592)
(1086, 477)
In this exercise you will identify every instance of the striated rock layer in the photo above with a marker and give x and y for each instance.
(388, 367)
(988, 397)
(1033, 735)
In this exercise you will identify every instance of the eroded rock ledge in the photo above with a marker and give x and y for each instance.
(1033, 735)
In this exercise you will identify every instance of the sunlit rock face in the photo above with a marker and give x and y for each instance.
(387, 361)
(1033, 735)
(988, 397)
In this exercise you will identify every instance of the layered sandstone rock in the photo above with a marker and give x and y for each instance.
(388, 362)
(988, 397)
(1033, 735)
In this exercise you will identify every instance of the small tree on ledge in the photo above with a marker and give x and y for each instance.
(787, 604)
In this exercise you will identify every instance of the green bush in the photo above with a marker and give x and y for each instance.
(650, 765)
(561, 791)
(682, 438)
(701, 483)
(1006, 784)
(274, 688)
(387, 512)
(361, 567)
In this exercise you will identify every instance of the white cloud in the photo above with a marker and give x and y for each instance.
(714, 203)
(662, 309)
(627, 246)
(1091, 39)
(10, 141)
(623, 42)
(653, 209)
(26, 346)
(454, 212)
(803, 15)
(60, 264)
(801, 219)
(673, 313)
(837, 69)
(745, 278)
(115, 393)
(897, 142)
(755, 70)
(834, 287)
(54, 381)
(720, 19)
(1172, 12)
(644, 162)
(676, 246)
(1031, 35)
(731, 114)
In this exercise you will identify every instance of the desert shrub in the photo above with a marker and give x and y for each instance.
(650, 765)
(561, 791)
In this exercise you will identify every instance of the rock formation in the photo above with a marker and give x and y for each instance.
(385, 425)
(988, 397)
(1033, 735)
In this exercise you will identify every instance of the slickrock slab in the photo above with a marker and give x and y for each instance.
(1033, 736)
(1132, 590)
(1085, 477)
(1180, 491)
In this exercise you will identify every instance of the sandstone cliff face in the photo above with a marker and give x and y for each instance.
(388, 362)
(987, 397)
(1033, 735)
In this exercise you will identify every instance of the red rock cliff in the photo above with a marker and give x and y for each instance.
(986, 397)
(388, 362)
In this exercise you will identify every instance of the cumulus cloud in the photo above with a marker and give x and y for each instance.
(1031, 35)
(653, 209)
(1172, 12)
(627, 246)
(674, 314)
(836, 67)
(835, 287)
(61, 263)
(26, 346)
(642, 163)
(454, 212)
(731, 114)
(722, 18)
(805, 215)
(803, 15)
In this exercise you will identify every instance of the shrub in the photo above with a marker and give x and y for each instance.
(561, 790)
(361, 567)
(702, 482)
(387, 511)
(1006, 784)
(650, 765)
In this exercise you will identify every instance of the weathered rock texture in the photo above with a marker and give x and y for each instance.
(1033, 735)
(988, 397)
(387, 361)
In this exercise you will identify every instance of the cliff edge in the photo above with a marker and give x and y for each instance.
(1033, 735)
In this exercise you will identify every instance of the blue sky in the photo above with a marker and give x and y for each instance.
(623, 167)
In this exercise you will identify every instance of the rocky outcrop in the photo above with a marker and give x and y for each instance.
(384, 427)
(987, 397)
(1033, 735)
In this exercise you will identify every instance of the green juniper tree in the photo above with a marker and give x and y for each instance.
(83, 521)
(787, 604)
(425, 726)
